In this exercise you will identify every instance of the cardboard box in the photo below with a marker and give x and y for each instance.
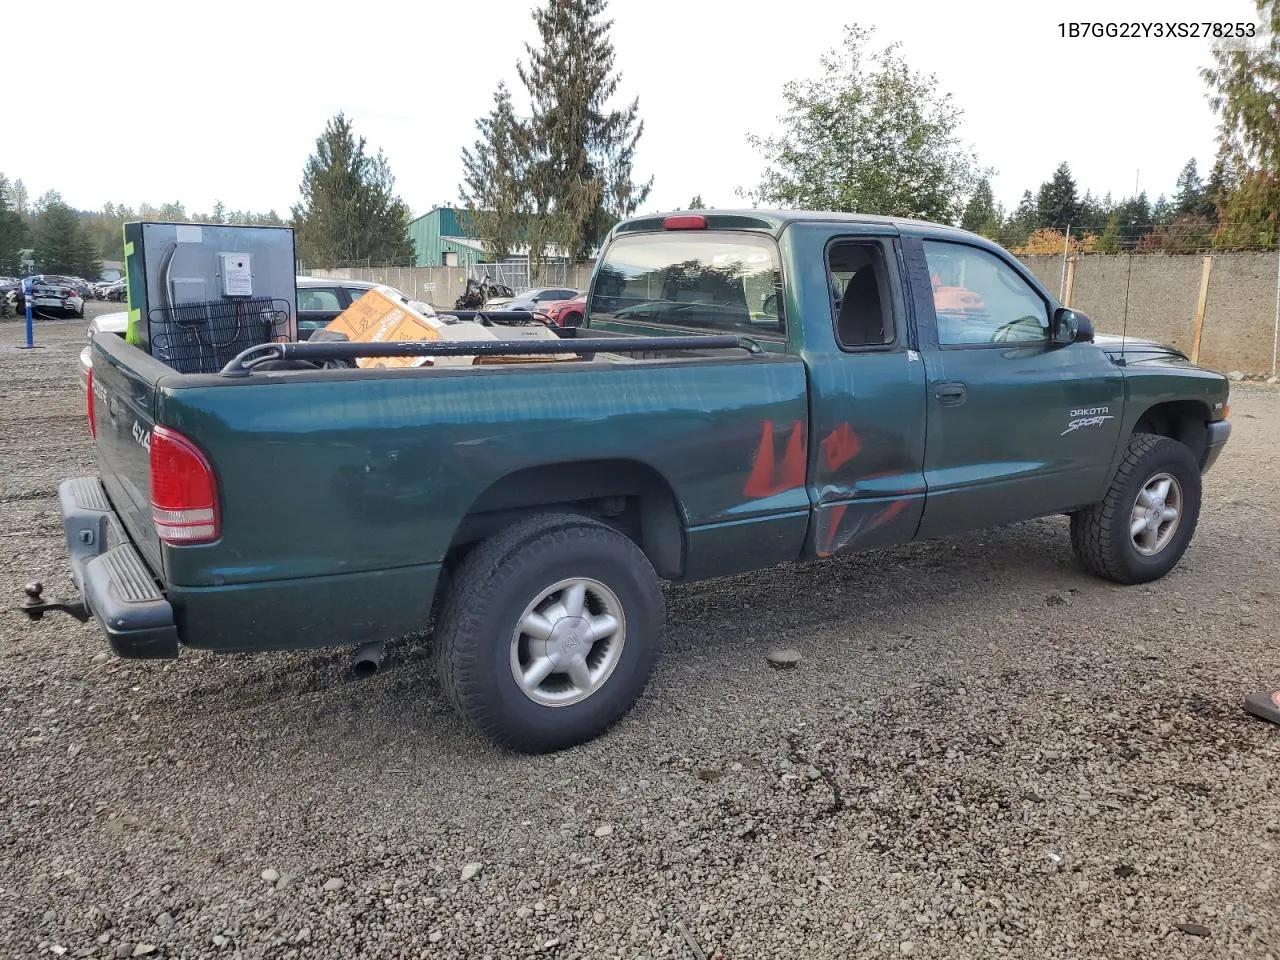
(377, 318)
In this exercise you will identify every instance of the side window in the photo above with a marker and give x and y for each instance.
(318, 298)
(979, 299)
(861, 301)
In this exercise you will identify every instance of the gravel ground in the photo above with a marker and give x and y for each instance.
(985, 752)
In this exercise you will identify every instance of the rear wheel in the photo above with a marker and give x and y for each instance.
(1141, 529)
(548, 632)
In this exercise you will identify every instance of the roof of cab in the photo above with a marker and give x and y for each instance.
(775, 221)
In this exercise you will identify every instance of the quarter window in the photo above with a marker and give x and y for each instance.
(979, 299)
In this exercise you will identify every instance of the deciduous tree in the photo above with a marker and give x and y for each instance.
(867, 135)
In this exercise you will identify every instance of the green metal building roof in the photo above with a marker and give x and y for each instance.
(440, 231)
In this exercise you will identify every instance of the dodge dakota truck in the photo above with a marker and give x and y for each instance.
(746, 389)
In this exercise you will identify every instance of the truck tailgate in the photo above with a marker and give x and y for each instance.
(124, 382)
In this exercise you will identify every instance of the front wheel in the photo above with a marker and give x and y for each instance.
(548, 632)
(1141, 528)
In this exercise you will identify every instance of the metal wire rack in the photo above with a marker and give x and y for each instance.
(203, 337)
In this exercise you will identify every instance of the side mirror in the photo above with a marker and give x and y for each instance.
(1071, 326)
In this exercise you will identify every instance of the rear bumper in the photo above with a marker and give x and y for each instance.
(1219, 432)
(112, 577)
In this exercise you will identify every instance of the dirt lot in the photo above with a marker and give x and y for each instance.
(985, 752)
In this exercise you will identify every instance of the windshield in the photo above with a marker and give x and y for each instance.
(691, 281)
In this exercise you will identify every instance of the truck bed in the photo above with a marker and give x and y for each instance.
(342, 490)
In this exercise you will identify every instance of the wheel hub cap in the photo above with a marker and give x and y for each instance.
(567, 642)
(569, 638)
(1156, 514)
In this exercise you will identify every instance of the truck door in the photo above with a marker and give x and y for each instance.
(867, 406)
(1017, 426)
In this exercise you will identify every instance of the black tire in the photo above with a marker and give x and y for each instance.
(573, 320)
(1100, 534)
(483, 604)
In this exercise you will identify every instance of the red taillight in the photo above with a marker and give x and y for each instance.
(689, 221)
(184, 493)
(93, 423)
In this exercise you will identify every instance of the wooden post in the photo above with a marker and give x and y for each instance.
(1204, 297)
(1071, 281)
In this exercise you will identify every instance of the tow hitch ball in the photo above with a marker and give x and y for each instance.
(35, 607)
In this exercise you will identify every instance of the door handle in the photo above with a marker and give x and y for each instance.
(951, 393)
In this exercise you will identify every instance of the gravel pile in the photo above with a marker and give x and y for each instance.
(981, 752)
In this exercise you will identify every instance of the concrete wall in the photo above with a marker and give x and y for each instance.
(441, 286)
(1240, 312)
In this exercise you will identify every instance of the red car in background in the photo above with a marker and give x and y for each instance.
(565, 313)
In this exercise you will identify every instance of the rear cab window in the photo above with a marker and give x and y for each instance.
(690, 283)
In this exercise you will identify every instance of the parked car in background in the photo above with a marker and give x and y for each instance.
(53, 292)
(565, 313)
(531, 299)
(83, 287)
(10, 293)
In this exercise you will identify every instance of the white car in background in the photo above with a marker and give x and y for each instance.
(319, 300)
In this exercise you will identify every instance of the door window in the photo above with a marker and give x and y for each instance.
(860, 295)
(979, 299)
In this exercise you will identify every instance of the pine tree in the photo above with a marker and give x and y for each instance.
(1162, 212)
(495, 190)
(1018, 227)
(1133, 217)
(18, 199)
(1109, 242)
(1093, 213)
(1245, 89)
(1057, 204)
(12, 232)
(62, 245)
(1190, 194)
(1223, 179)
(980, 212)
(349, 210)
(697, 203)
(581, 152)
(50, 198)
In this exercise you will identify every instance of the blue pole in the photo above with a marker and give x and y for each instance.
(26, 300)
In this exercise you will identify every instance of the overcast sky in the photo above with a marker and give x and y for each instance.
(224, 100)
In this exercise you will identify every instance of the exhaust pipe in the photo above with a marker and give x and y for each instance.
(368, 659)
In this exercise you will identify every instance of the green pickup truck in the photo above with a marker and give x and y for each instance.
(747, 389)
